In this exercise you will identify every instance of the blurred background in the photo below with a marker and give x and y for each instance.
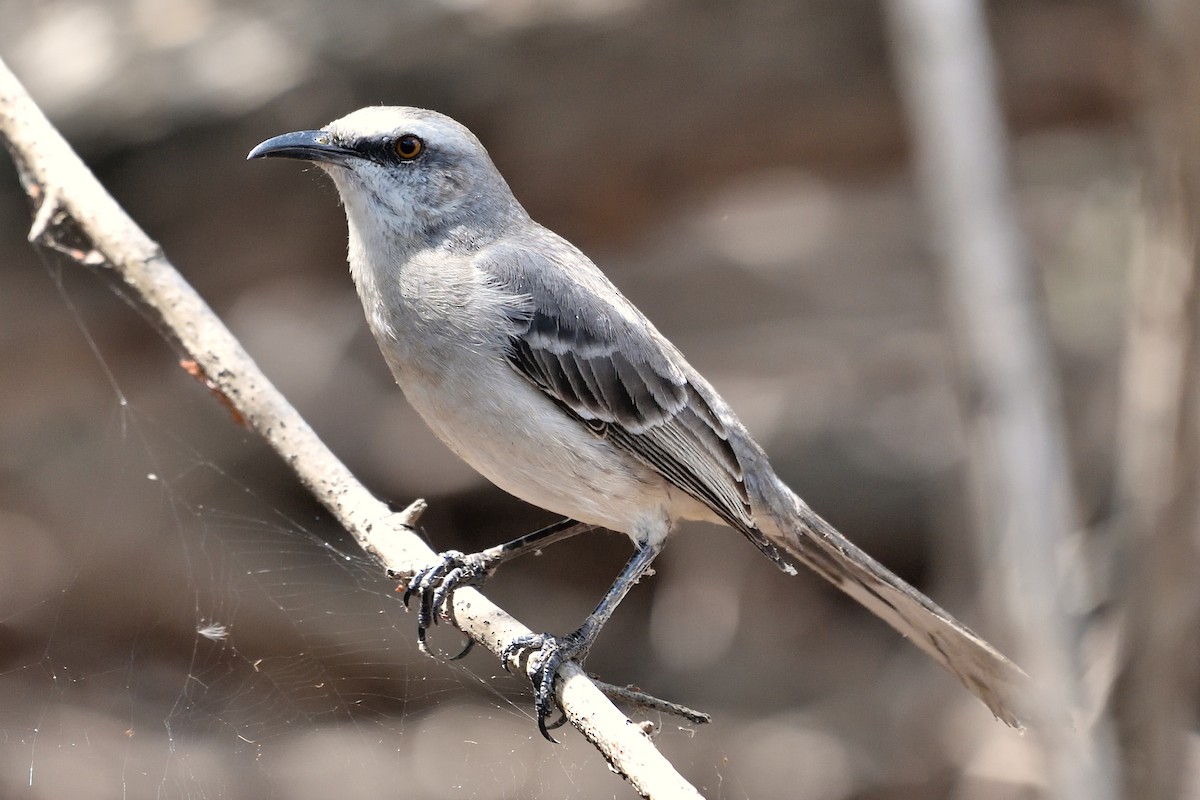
(179, 619)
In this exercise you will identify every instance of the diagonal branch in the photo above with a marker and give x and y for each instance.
(68, 199)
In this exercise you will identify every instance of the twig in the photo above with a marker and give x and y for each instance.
(1023, 484)
(65, 191)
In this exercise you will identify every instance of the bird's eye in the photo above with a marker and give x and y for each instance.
(408, 146)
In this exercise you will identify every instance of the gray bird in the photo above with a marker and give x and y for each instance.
(528, 363)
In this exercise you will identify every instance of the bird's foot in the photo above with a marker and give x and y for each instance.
(435, 584)
(552, 653)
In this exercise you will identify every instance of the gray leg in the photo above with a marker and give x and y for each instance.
(555, 651)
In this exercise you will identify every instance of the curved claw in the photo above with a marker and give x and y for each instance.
(434, 585)
(558, 723)
(554, 651)
(468, 647)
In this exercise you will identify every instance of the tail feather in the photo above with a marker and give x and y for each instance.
(792, 527)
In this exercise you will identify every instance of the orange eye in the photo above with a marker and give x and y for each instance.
(408, 147)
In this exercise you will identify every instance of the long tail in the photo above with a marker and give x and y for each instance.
(790, 526)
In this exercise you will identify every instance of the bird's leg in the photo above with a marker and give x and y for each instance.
(434, 584)
(554, 651)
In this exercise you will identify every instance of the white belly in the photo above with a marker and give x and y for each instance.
(515, 436)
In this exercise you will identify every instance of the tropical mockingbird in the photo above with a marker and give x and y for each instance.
(530, 365)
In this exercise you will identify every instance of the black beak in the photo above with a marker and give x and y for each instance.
(305, 146)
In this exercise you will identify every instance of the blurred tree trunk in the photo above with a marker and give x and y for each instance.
(1024, 490)
(1159, 467)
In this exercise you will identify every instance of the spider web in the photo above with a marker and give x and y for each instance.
(178, 633)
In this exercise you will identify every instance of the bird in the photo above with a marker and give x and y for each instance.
(530, 365)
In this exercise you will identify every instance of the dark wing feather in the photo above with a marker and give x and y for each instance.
(615, 400)
(596, 357)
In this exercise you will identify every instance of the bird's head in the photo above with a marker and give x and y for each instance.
(410, 170)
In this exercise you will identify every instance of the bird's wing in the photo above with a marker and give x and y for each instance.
(576, 338)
